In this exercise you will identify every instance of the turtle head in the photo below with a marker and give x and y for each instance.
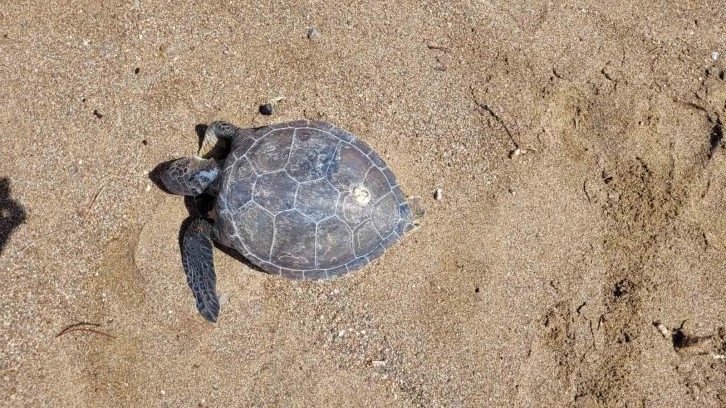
(190, 176)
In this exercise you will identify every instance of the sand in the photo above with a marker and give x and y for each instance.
(587, 268)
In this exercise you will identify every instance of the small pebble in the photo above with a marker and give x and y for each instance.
(266, 109)
(439, 194)
(313, 33)
(148, 188)
(662, 329)
(342, 333)
(163, 392)
(379, 363)
(715, 55)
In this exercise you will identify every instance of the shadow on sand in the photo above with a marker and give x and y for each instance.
(12, 213)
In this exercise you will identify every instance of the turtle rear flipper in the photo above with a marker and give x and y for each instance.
(199, 267)
(417, 211)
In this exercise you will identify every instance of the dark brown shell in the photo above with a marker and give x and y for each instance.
(287, 201)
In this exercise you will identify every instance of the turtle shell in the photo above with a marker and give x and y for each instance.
(308, 200)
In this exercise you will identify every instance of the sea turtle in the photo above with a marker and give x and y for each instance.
(302, 200)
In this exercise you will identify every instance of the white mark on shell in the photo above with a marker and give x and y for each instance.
(361, 195)
(294, 258)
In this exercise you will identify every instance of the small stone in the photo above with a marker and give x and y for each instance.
(715, 55)
(267, 109)
(439, 194)
(223, 299)
(148, 188)
(379, 363)
(342, 333)
(163, 392)
(512, 191)
(336, 291)
(662, 329)
(313, 33)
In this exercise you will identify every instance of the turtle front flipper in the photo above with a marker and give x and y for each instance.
(215, 131)
(199, 267)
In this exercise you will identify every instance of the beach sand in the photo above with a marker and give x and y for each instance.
(577, 256)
